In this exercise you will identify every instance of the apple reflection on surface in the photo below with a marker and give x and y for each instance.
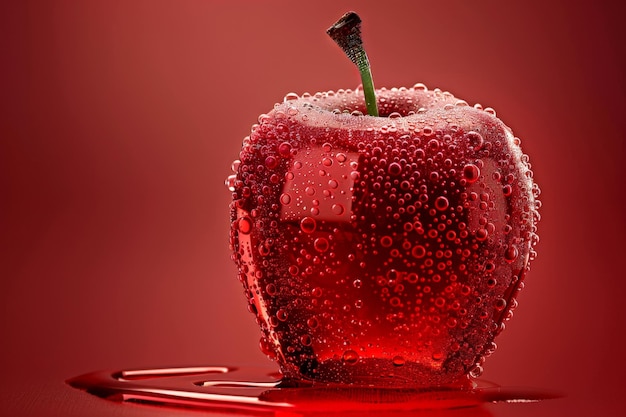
(479, 411)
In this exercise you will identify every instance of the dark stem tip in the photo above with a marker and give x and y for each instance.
(346, 33)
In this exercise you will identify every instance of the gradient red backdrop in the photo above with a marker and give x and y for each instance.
(118, 124)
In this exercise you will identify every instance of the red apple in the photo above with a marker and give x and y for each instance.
(386, 250)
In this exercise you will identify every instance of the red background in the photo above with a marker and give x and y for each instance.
(118, 124)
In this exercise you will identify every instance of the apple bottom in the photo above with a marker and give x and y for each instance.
(371, 372)
(320, 343)
(385, 363)
(325, 318)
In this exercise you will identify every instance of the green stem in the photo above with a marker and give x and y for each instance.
(346, 33)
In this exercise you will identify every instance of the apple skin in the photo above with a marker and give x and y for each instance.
(382, 250)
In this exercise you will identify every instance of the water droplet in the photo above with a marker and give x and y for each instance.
(305, 340)
(270, 289)
(441, 203)
(264, 250)
(398, 360)
(285, 199)
(263, 118)
(337, 209)
(284, 149)
(308, 224)
(271, 162)
(451, 322)
(511, 254)
(321, 244)
(394, 168)
(282, 315)
(418, 251)
(267, 348)
(291, 97)
(471, 173)
(481, 234)
(245, 225)
(350, 357)
(500, 304)
(474, 140)
(476, 371)
(230, 182)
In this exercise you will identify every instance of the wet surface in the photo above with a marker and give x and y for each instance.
(260, 389)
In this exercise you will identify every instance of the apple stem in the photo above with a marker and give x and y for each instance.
(346, 33)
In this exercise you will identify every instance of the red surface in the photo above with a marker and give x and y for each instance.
(118, 124)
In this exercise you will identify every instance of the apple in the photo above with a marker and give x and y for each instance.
(387, 249)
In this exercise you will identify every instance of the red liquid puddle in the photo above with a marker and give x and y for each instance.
(259, 390)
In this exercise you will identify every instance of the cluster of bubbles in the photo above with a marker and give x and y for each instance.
(398, 243)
